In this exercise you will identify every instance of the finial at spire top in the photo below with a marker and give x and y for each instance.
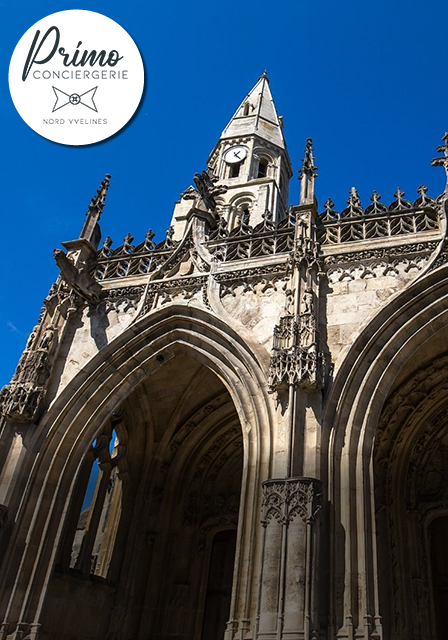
(264, 75)
(443, 160)
(91, 230)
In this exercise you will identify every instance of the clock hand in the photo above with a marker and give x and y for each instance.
(237, 154)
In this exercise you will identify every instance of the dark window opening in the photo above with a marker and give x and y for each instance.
(246, 109)
(235, 170)
(262, 169)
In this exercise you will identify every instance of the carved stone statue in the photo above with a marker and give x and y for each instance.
(206, 189)
(307, 301)
(32, 337)
(47, 338)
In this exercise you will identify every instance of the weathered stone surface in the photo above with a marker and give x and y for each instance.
(229, 433)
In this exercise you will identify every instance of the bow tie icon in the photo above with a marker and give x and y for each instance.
(63, 99)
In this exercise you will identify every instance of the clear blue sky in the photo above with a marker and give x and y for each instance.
(366, 80)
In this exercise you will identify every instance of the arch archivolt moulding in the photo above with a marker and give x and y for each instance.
(354, 405)
(265, 153)
(246, 197)
(411, 489)
(421, 398)
(88, 401)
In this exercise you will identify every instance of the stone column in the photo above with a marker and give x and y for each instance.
(287, 606)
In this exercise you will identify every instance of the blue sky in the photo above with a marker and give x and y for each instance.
(366, 80)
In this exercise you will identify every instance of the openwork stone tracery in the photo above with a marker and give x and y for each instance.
(212, 377)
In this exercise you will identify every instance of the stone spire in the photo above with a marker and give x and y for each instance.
(91, 230)
(250, 159)
(307, 174)
(257, 115)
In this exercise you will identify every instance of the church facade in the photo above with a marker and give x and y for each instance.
(237, 433)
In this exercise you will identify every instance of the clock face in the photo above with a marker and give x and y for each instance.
(235, 154)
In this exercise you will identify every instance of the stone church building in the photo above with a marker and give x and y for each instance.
(238, 432)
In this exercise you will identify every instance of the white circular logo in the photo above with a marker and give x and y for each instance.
(76, 77)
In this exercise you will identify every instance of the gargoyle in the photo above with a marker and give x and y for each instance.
(206, 189)
(81, 280)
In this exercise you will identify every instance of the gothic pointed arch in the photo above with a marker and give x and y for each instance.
(396, 341)
(139, 355)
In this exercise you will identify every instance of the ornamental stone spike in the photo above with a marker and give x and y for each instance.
(91, 229)
(307, 174)
(443, 160)
(354, 200)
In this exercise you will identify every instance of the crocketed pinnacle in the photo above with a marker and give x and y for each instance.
(443, 160)
(91, 230)
(308, 168)
(98, 201)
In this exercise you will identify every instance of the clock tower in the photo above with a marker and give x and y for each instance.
(251, 160)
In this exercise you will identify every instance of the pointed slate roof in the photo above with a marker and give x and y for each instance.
(257, 114)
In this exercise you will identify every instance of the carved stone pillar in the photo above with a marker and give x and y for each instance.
(23, 631)
(287, 605)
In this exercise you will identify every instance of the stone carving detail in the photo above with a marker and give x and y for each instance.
(405, 434)
(308, 251)
(296, 366)
(375, 263)
(206, 189)
(423, 384)
(247, 242)
(283, 500)
(296, 357)
(308, 167)
(307, 175)
(443, 160)
(219, 445)
(22, 631)
(385, 254)
(187, 429)
(220, 231)
(60, 298)
(184, 288)
(124, 298)
(222, 509)
(441, 260)
(22, 397)
(266, 239)
(266, 276)
(129, 260)
(355, 224)
(79, 279)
